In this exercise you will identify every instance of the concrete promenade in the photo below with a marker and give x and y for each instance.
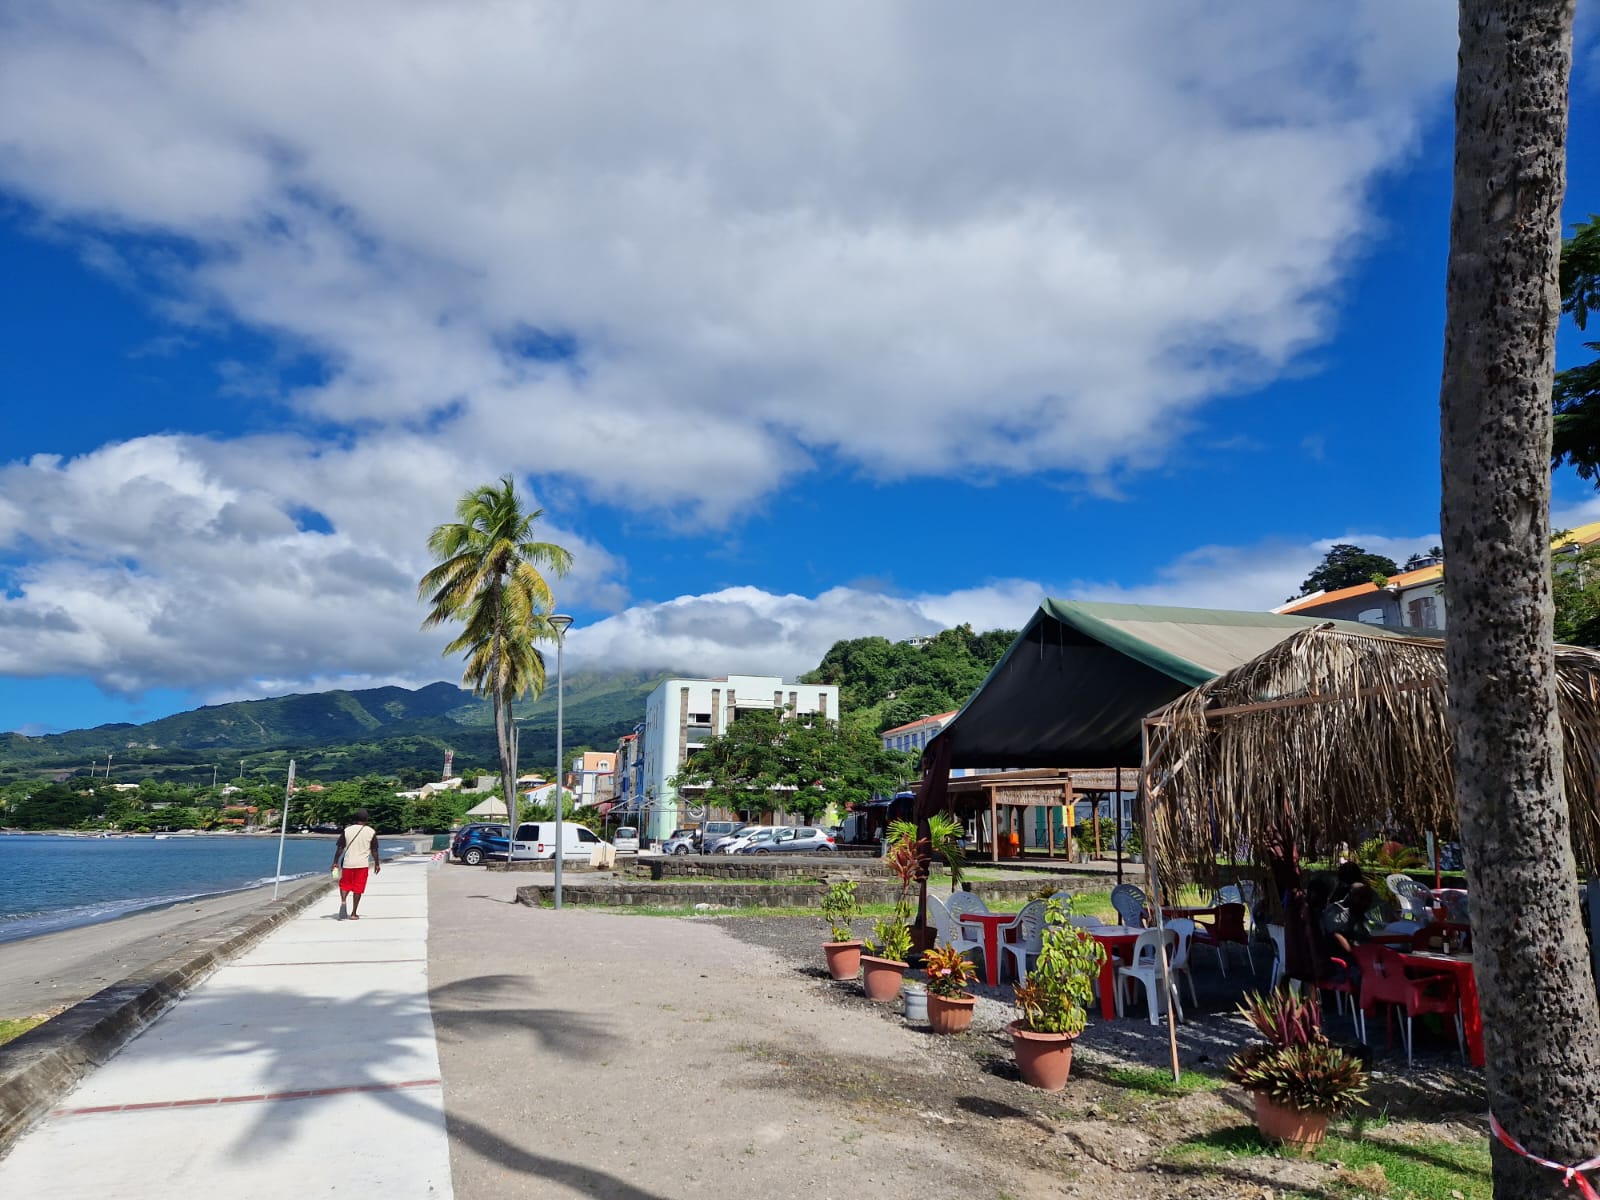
(306, 1067)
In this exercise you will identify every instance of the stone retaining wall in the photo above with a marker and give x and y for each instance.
(756, 866)
(625, 893)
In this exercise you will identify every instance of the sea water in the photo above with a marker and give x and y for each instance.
(50, 882)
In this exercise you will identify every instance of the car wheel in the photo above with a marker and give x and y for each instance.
(472, 857)
(824, 849)
(681, 850)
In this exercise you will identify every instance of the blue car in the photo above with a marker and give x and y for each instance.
(474, 843)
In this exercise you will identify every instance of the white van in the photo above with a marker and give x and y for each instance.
(626, 839)
(537, 839)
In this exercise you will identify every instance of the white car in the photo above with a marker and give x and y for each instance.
(626, 840)
(748, 836)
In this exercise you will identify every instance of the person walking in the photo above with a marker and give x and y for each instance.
(355, 854)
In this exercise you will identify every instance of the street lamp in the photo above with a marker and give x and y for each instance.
(560, 623)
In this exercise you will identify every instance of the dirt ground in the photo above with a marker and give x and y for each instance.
(644, 1058)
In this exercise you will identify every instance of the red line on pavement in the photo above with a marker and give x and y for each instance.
(330, 962)
(307, 1094)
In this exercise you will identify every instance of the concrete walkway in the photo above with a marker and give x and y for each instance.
(306, 1067)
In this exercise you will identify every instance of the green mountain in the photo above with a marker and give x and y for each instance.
(338, 734)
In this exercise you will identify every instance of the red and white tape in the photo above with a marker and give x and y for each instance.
(1569, 1175)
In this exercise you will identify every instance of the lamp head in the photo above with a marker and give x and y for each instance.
(560, 622)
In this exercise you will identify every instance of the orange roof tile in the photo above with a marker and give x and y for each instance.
(1403, 579)
(919, 722)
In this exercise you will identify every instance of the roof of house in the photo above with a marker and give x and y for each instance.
(920, 722)
(1583, 535)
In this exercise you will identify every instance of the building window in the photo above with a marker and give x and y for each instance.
(1372, 616)
(1423, 613)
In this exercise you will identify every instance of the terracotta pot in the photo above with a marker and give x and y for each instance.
(881, 977)
(844, 959)
(1298, 1128)
(950, 1014)
(1044, 1059)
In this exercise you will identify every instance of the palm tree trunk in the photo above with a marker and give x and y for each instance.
(1540, 1017)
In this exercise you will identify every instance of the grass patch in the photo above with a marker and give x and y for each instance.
(1160, 1083)
(1420, 1170)
(15, 1027)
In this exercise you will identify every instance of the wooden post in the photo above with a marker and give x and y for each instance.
(1119, 824)
(1050, 832)
(1096, 819)
(994, 827)
(1148, 802)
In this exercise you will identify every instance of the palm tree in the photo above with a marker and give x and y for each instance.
(489, 579)
(1540, 1018)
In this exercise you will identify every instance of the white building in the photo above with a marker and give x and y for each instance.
(682, 715)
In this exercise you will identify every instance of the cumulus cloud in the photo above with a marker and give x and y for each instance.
(910, 235)
(677, 261)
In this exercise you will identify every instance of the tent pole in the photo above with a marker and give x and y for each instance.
(1148, 799)
(994, 827)
(1096, 819)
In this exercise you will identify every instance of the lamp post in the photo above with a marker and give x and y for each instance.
(560, 623)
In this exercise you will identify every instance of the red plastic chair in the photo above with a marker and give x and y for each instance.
(1225, 929)
(1340, 989)
(1384, 981)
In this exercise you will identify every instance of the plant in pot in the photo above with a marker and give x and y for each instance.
(950, 1005)
(905, 861)
(1054, 1001)
(839, 908)
(1298, 1078)
(884, 967)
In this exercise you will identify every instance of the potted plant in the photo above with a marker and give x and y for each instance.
(950, 1005)
(839, 908)
(1054, 1001)
(904, 860)
(884, 968)
(1298, 1078)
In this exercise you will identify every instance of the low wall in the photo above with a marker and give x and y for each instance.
(755, 866)
(624, 893)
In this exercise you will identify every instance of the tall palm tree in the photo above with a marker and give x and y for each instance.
(489, 579)
(1541, 1024)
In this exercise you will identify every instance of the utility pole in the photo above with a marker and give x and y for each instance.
(241, 770)
(108, 764)
(213, 777)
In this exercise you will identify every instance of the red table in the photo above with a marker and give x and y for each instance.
(1117, 939)
(993, 924)
(1459, 967)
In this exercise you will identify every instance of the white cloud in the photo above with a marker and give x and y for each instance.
(913, 235)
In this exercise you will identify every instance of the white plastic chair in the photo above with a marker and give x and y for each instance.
(1416, 901)
(1146, 968)
(948, 930)
(1280, 948)
(964, 902)
(1178, 964)
(1029, 927)
(1129, 902)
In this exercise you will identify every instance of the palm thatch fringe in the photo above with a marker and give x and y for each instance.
(1343, 735)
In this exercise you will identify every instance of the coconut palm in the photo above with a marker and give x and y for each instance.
(1532, 964)
(489, 579)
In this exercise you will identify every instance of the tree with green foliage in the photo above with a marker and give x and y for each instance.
(387, 812)
(1575, 588)
(800, 764)
(1345, 566)
(1576, 437)
(490, 579)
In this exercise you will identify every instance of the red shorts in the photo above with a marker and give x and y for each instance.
(353, 879)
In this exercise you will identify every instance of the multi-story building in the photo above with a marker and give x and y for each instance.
(593, 773)
(630, 766)
(914, 735)
(682, 715)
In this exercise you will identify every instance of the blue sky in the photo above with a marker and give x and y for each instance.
(840, 335)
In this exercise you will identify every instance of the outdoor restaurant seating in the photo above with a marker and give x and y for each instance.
(965, 902)
(1129, 902)
(1029, 943)
(1416, 901)
(948, 929)
(1384, 981)
(1145, 969)
(1227, 928)
(1184, 928)
(1280, 950)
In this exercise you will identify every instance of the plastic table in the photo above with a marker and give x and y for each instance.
(993, 924)
(1118, 940)
(1459, 967)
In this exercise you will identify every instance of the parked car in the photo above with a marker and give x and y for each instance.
(476, 842)
(714, 833)
(682, 841)
(748, 836)
(799, 840)
(537, 839)
(626, 839)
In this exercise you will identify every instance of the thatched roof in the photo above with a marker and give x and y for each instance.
(1344, 733)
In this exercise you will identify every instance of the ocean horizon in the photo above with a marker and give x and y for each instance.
(52, 882)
